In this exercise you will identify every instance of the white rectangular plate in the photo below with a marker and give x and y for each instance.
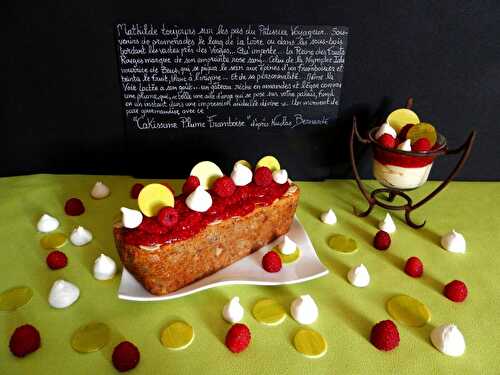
(245, 271)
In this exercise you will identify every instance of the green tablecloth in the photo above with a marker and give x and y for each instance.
(346, 313)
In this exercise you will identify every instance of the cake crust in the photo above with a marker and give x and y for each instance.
(173, 266)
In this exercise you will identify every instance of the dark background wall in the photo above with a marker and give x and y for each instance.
(60, 108)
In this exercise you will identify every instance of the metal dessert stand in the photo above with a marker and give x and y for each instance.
(390, 193)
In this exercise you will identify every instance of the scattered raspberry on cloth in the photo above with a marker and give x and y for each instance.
(385, 335)
(456, 291)
(382, 240)
(136, 189)
(414, 267)
(56, 260)
(126, 356)
(24, 340)
(74, 207)
(238, 338)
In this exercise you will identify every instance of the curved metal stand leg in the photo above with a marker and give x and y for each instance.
(364, 213)
(410, 222)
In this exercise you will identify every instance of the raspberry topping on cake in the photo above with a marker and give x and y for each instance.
(238, 338)
(271, 262)
(56, 260)
(385, 335)
(382, 240)
(168, 217)
(224, 187)
(414, 267)
(192, 182)
(456, 291)
(263, 176)
(421, 145)
(136, 189)
(24, 340)
(126, 356)
(387, 140)
(74, 207)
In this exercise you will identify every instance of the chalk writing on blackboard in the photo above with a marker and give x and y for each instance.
(252, 76)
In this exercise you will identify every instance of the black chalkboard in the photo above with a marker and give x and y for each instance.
(212, 83)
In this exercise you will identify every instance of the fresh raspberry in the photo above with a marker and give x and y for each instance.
(382, 240)
(385, 335)
(169, 187)
(421, 145)
(414, 267)
(238, 338)
(271, 262)
(56, 260)
(456, 291)
(168, 217)
(387, 140)
(403, 133)
(224, 187)
(125, 356)
(74, 207)
(24, 340)
(136, 189)
(263, 176)
(192, 182)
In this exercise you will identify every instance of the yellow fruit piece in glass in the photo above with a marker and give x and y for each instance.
(310, 343)
(245, 163)
(342, 243)
(14, 298)
(90, 337)
(153, 198)
(269, 312)
(408, 310)
(288, 258)
(207, 172)
(422, 130)
(177, 336)
(401, 117)
(269, 161)
(53, 241)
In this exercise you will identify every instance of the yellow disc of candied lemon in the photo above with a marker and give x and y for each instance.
(269, 161)
(177, 336)
(342, 243)
(14, 298)
(288, 258)
(245, 163)
(207, 172)
(310, 343)
(53, 241)
(400, 117)
(422, 130)
(90, 337)
(268, 311)
(153, 198)
(409, 311)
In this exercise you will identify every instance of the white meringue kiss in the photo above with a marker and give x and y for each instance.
(80, 236)
(63, 294)
(241, 175)
(329, 217)
(280, 177)
(448, 340)
(199, 200)
(405, 146)
(47, 224)
(454, 242)
(104, 268)
(359, 276)
(385, 129)
(99, 191)
(233, 311)
(304, 310)
(287, 246)
(131, 218)
(387, 225)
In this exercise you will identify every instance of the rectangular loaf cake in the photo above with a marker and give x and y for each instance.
(169, 267)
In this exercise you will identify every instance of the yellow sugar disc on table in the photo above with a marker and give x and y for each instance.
(269, 161)
(288, 258)
(401, 117)
(269, 312)
(409, 311)
(245, 163)
(53, 241)
(14, 298)
(310, 343)
(177, 336)
(342, 243)
(90, 337)
(422, 130)
(207, 172)
(153, 198)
